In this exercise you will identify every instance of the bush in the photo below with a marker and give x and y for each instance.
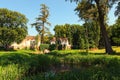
(75, 47)
(44, 46)
(1, 48)
(59, 47)
(6, 49)
(52, 47)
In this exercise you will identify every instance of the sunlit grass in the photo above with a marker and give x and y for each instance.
(97, 51)
(10, 72)
(18, 51)
(115, 48)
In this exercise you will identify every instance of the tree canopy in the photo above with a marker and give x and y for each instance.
(13, 27)
(115, 33)
(76, 34)
(117, 12)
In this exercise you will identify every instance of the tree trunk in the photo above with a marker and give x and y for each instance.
(108, 47)
(42, 38)
(43, 30)
(86, 37)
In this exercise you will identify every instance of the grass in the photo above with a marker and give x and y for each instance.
(10, 72)
(18, 51)
(117, 49)
(60, 65)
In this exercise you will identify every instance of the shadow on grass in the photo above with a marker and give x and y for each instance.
(98, 53)
(115, 53)
(64, 54)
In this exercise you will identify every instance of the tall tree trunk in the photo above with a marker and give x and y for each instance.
(108, 47)
(42, 35)
(42, 38)
(86, 37)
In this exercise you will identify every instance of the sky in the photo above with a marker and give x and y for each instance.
(61, 12)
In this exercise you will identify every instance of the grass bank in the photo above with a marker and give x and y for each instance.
(59, 65)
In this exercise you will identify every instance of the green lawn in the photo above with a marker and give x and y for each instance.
(116, 49)
(18, 51)
(59, 65)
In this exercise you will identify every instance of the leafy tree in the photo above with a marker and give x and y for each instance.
(102, 9)
(48, 37)
(12, 19)
(115, 33)
(93, 34)
(74, 33)
(88, 14)
(13, 27)
(117, 12)
(77, 32)
(41, 21)
(7, 36)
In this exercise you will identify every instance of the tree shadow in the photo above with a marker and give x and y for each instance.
(116, 53)
(98, 53)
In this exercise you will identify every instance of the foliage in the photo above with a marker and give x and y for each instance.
(12, 19)
(52, 47)
(92, 34)
(115, 33)
(117, 12)
(41, 21)
(48, 37)
(87, 13)
(74, 33)
(101, 8)
(44, 46)
(13, 27)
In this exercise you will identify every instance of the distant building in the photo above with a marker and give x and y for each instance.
(28, 42)
(53, 41)
(61, 41)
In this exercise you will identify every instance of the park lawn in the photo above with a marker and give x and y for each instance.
(115, 48)
(18, 51)
(59, 65)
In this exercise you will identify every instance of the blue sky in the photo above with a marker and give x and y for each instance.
(61, 12)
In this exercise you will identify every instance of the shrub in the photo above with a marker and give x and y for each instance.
(59, 47)
(44, 46)
(52, 47)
